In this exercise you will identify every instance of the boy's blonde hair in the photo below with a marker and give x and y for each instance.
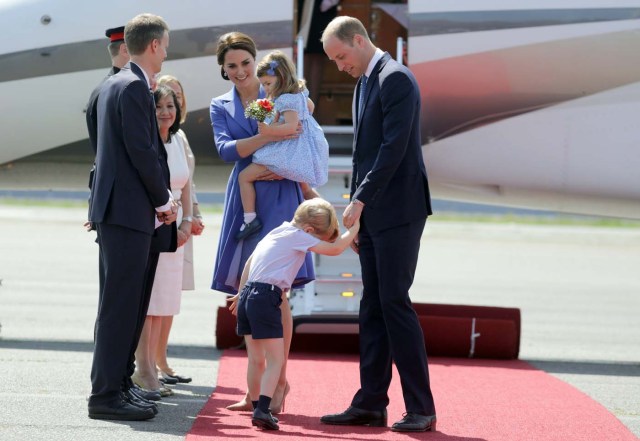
(277, 64)
(320, 215)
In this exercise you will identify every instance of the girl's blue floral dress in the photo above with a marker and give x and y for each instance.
(301, 159)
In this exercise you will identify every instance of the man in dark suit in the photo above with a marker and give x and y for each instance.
(119, 58)
(390, 196)
(129, 199)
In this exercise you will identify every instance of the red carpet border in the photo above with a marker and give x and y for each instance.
(477, 400)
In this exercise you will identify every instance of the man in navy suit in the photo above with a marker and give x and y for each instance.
(390, 196)
(129, 199)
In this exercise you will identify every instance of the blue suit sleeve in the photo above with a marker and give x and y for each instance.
(225, 143)
(399, 99)
(140, 139)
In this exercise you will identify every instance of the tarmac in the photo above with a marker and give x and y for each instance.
(577, 287)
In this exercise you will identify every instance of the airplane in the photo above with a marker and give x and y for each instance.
(525, 104)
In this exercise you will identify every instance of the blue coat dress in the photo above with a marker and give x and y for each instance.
(276, 201)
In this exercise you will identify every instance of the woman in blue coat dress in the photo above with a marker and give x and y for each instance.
(236, 139)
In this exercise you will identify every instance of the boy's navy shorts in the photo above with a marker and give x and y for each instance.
(259, 311)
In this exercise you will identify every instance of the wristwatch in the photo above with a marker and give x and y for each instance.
(187, 219)
(357, 202)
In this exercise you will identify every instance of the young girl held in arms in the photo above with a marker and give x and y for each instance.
(302, 158)
(267, 275)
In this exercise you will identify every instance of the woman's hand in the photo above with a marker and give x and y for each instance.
(197, 226)
(268, 175)
(184, 232)
(267, 132)
(233, 304)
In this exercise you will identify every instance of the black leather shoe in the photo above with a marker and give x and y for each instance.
(264, 420)
(119, 410)
(357, 417)
(131, 398)
(414, 422)
(167, 380)
(175, 378)
(149, 395)
(252, 227)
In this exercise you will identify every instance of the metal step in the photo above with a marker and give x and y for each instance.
(340, 140)
(338, 285)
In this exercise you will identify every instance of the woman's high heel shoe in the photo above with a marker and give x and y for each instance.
(278, 406)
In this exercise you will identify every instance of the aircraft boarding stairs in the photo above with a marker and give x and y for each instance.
(329, 305)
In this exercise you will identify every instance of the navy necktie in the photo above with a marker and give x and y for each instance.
(363, 88)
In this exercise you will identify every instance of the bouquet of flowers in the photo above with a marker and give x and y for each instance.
(259, 109)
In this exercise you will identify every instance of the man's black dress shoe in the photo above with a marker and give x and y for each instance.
(357, 417)
(264, 420)
(252, 227)
(131, 398)
(119, 410)
(414, 422)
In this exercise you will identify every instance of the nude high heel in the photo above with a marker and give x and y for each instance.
(277, 407)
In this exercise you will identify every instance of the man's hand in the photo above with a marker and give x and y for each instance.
(351, 214)
(169, 216)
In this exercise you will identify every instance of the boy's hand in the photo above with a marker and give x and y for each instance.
(355, 244)
(233, 304)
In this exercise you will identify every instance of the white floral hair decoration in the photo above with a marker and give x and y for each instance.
(273, 65)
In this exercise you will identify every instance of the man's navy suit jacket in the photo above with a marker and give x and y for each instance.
(132, 175)
(389, 175)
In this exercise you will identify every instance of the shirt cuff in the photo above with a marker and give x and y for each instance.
(166, 206)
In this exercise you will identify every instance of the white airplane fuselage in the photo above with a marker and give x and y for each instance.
(528, 104)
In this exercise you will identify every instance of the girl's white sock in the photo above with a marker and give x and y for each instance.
(248, 218)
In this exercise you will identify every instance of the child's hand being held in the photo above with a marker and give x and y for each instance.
(233, 305)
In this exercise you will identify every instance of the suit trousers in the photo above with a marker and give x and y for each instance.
(152, 265)
(389, 327)
(125, 254)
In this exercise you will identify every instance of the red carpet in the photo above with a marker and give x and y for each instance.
(475, 400)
